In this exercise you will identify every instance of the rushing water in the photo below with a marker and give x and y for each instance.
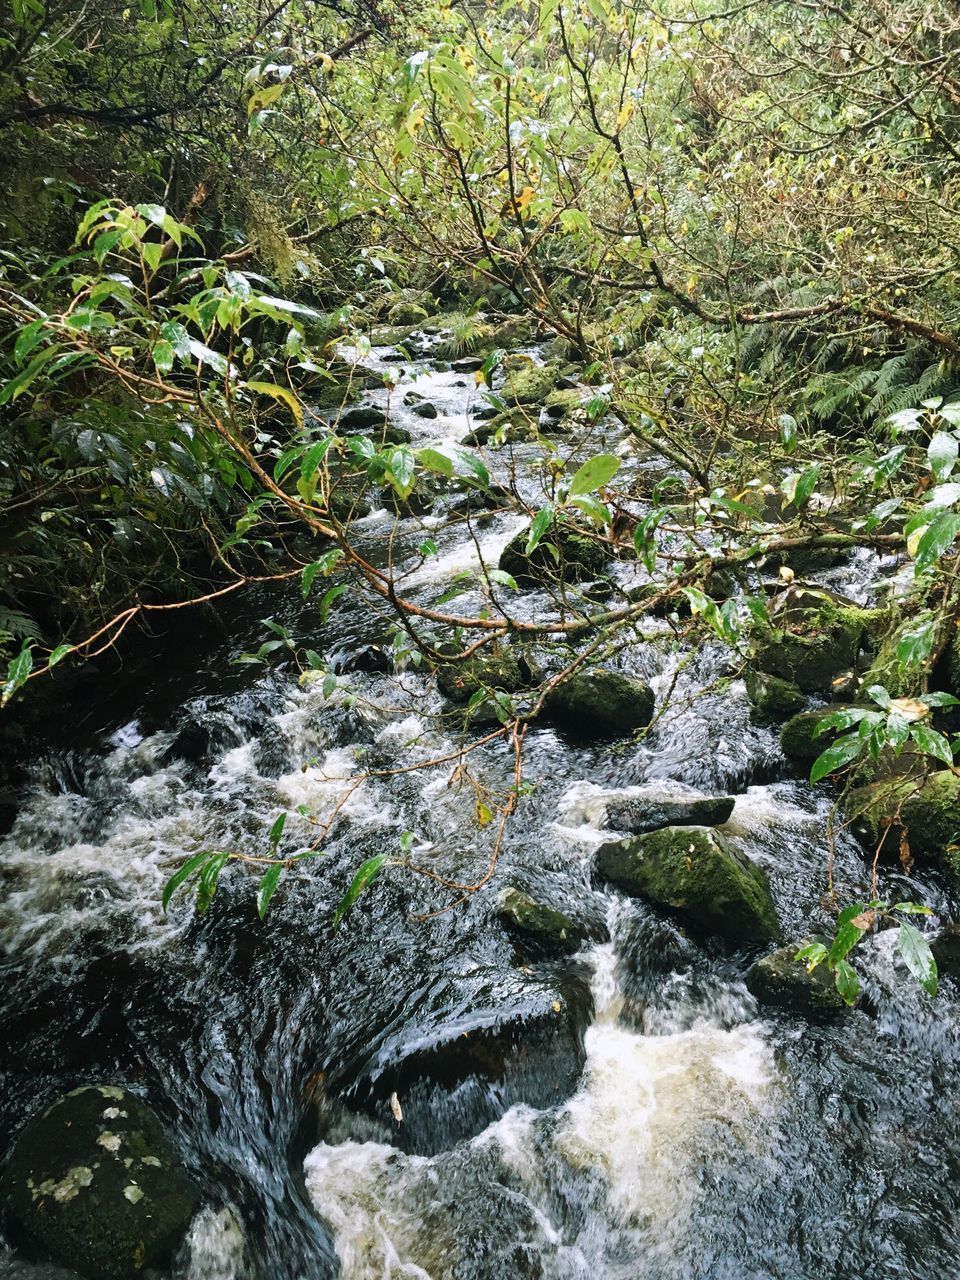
(651, 1123)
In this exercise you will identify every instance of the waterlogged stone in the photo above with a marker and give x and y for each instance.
(799, 739)
(638, 814)
(529, 385)
(697, 873)
(565, 553)
(772, 698)
(93, 1184)
(601, 704)
(927, 813)
(809, 646)
(460, 681)
(534, 921)
(782, 981)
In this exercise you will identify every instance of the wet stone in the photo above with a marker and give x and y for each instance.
(467, 364)
(362, 418)
(537, 923)
(93, 1183)
(700, 875)
(782, 982)
(601, 704)
(642, 813)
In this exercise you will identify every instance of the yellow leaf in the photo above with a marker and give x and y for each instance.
(910, 708)
(524, 198)
(484, 814)
(914, 539)
(414, 121)
(264, 98)
(279, 393)
(623, 116)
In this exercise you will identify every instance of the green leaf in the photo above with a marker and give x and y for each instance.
(59, 652)
(812, 954)
(365, 876)
(844, 940)
(327, 600)
(184, 873)
(400, 462)
(435, 461)
(788, 431)
(918, 957)
(942, 454)
(593, 507)
(836, 756)
(596, 471)
(282, 394)
(209, 879)
(937, 539)
(267, 887)
(916, 645)
(912, 908)
(932, 743)
(276, 831)
(538, 527)
(847, 983)
(18, 672)
(502, 578)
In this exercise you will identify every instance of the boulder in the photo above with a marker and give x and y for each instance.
(467, 364)
(529, 385)
(797, 735)
(772, 698)
(782, 981)
(547, 928)
(425, 409)
(566, 553)
(809, 646)
(639, 814)
(403, 313)
(946, 951)
(460, 681)
(926, 812)
(362, 417)
(695, 872)
(601, 704)
(93, 1184)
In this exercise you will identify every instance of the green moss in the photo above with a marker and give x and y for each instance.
(771, 697)
(93, 1184)
(601, 703)
(541, 924)
(811, 646)
(696, 872)
(564, 554)
(407, 313)
(529, 385)
(459, 681)
(797, 737)
(926, 811)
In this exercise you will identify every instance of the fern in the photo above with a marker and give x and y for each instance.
(15, 625)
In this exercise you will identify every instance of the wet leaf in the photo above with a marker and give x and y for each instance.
(846, 982)
(267, 887)
(538, 527)
(836, 756)
(918, 957)
(365, 876)
(184, 873)
(595, 472)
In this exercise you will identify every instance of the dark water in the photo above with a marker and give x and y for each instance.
(651, 1122)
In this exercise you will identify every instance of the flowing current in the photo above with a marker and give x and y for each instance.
(409, 1096)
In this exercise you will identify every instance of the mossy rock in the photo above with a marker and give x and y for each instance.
(407, 313)
(772, 698)
(695, 872)
(331, 395)
(926, 812)
(512, 332)
(396, 335)
(601, 704)
(887, 670)
(781, 981)
(547, 928)
(798, 736)
(93, 1184)
(813, 645)
(565, 553)
(529, 385)
(459, 681)
(506, 427)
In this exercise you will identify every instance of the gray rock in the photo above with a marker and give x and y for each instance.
(601, 704)
(425, 409)
(545, 926)
(782, 981)
(92, 1183)
(362, 417)
(641, 813)
(467, 364)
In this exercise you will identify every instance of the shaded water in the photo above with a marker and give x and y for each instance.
(653, 1125)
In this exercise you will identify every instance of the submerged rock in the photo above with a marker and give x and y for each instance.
(601, 704)
(639, 814)
(93, 1184)
(566, 553)
(696, 872)
(534, 921)
(922, 814)
(782, 981)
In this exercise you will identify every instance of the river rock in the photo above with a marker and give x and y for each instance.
(449, 1083)
(467, 364)
(946, 951)
(772, 698)
(529, 385)
(809, 646)
(601, 704)
(549, 929)
(782, 981)
(362, 417)
(407, 313)
(927, 811)
(425, 409)
(639, 814)
(797, 737)
(459, 681)
(92, 1183)
(697, 873)
(576, 556)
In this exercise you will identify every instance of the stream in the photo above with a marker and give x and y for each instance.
(644, 1120)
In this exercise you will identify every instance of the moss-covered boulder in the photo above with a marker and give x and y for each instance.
(529, 385)
(771, 698)
(923, 812)
(506, 427)
(700, 875)
(459, 681)
(93, 1184)
(407, 313)
(566, 553)
(781, 981)
(546, 928)
(601, 704)
(810, 646)
(798, 736)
